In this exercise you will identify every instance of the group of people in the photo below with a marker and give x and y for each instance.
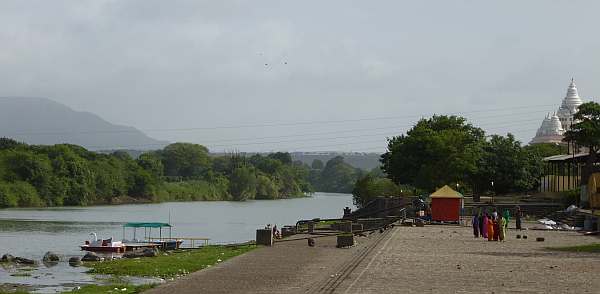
(491, 225)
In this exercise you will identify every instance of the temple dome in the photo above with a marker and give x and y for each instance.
(555, 126)
(571, 102)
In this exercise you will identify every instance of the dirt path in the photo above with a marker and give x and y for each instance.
(287, 267)
(433, 259)
(438, 259)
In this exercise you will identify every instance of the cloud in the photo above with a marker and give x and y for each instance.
(177, 64)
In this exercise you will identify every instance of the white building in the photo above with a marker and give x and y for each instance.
(554, 125)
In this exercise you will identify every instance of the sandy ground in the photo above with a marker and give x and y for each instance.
(287, 267)
(438, 259)
(433, 259)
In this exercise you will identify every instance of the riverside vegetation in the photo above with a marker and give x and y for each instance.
(40, 175)
(170, 264)
(64, 174)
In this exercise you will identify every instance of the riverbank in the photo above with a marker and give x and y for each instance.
(166, 266)
(169, 264)
(287, 267)
(433, 259)
(31, 233)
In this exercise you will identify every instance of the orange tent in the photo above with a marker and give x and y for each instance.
(446, 205)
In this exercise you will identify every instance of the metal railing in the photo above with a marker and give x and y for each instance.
(192, 241)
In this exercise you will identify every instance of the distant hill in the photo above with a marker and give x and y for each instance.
(46, 122)
(362, 160)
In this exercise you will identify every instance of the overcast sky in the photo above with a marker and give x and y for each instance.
(300, 67)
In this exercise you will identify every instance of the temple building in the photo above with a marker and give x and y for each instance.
(555, 125)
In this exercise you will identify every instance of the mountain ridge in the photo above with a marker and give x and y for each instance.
(42, 121)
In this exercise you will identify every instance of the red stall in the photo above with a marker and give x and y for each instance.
(446, 205)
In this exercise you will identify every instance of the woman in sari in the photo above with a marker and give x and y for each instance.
(506, 217)
(502, 228)
(490, 229)
(496, 224)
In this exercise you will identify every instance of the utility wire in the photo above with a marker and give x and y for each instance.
(129, 130)
(397, 131)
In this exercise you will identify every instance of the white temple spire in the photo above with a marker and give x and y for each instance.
(556, 123)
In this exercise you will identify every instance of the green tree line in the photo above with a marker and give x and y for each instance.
(447, 150)
(35, 176)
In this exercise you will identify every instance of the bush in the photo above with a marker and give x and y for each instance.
(192, 191)
(26, 194)
(18, 194)
(7, 198)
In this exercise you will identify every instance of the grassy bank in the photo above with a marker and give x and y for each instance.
(588, 248)
(171, 264)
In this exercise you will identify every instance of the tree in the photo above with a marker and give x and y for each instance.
(265, 188)
(369, 187)
(435, 152)
(242, 184)
(586, 133)
(507, 164)
(337, 176)
(283, 157)
(7, 143)
(317, 164)
(268, 165)
(151, 163)
(542, 150)
(185, 160)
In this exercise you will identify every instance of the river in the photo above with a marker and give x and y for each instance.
(32, 232)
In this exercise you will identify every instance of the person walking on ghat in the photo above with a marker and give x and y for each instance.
(485, 221)
(490, 229)
(506, 216)
(475, 223)
(518, 215)
(496, 226)
(501, 228)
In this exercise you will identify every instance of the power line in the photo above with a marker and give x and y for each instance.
(264, 124)
(208, 144)
(398, 129)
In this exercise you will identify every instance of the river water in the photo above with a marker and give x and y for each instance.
(32, 232)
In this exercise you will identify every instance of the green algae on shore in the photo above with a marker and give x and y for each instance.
(588, 248)
(170, 264)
